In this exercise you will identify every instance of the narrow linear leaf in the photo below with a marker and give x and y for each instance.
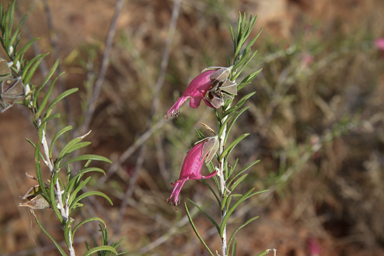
(101, 248)
(45, 100)
(229, 213)
(33, 68)
(39, 175)
(234, 247)
(67, 231)
(233, 168)
(61, 132)
(46, 119)
(223, 125)
(87, 157)
(234, 233)
(62, 96)
(206, 214)
(47, 77)
(53, 240)
(232, 146)
(17, 31)
(33, 144)
(194, 229)
(237, 182)
(90, 193)
(239, 104)
(233, 122)
(247, 80)
(245, 64)
(86, 221)
(24, 49)
(53, 197)
(77, 189)
(245, 168)
(256, 193)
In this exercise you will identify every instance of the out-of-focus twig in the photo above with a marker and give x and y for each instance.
(103, 69)
(155, 104)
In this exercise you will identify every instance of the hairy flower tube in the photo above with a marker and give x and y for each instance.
(191, 169)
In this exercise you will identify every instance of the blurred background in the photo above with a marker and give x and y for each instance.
(316, 123)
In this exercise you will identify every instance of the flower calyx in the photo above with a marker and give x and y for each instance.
(223, 88)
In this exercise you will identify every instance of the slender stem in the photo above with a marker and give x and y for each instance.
(64, 209)
(223, 185)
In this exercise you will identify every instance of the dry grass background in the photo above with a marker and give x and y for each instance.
(316, 127)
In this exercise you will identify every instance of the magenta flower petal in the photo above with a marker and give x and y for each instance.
(191, 170)
(380, 43)
(195, 91)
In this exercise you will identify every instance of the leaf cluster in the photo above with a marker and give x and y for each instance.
(63, 193)
(226, 118)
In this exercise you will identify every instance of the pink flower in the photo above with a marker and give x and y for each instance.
(380, 43)
(314, 247)
(192, 164)
(196, 91)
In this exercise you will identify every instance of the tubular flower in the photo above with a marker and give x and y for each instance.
(191, 169)
(195, 91)
(198, 88)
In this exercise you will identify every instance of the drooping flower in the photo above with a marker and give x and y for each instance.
(198, 88)
(193, 162)
(195, 91)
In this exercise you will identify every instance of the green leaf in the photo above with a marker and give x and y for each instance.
(67, 231)
(234, 247)
(245, 168)
(225, 219)
(234, 233)
(233, 122)
(77, 189)
(48, 118)
(62, 96)
(87, 157)
(223, 125)
(90, 193)
(17, 32)
(232, 146)
(72, 182)
(206, 214)
(23, 50)
(232, 168)
(30, 142)
(53, 240)
(195, 229)
(70, 149)
(245, 64)
(247, 80)
(47, 77)
(263, 253)
(53, 197)
(101, 248)
(256, 193)
(239, 103)
(237, 182)
(45, 100)
(39, 174)
(33, 68)
(61, 132)
(86, 221)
